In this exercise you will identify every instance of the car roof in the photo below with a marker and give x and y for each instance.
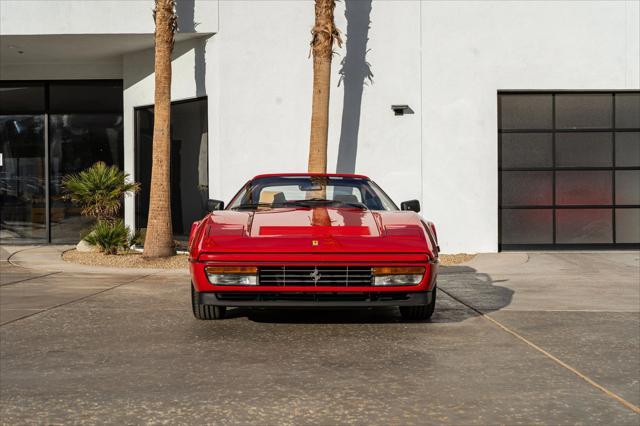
(310, 174)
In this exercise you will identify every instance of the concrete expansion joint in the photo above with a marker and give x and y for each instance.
(558, 361)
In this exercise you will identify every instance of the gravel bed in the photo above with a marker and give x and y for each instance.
(128, 260)
(455, 259)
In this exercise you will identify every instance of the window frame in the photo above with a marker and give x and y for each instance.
(554, 168)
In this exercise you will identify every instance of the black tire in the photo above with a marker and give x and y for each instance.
(206, 312)
(419, 313)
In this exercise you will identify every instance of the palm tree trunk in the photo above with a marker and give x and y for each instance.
(324, 34)
(159, 238)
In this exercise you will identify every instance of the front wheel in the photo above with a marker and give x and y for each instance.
(419, 313)
(205, 312)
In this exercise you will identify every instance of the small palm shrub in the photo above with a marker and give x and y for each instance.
(99, 190)
(110, 237)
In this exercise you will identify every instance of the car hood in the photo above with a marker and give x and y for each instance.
(316, 230)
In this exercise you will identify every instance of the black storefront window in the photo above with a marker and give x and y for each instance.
(49, 130)
(189, 163)
(569, 169)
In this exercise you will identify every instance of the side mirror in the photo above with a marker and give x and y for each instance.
(213, 205)
(412, 205)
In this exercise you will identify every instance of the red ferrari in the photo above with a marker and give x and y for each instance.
(313, 240)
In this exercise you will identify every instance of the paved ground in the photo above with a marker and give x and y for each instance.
(124, 348)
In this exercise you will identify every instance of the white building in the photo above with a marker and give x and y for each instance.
(512, 105)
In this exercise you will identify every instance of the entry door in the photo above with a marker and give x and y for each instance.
(569, 172)
(189, 163)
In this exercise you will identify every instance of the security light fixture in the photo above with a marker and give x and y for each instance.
(401, 109)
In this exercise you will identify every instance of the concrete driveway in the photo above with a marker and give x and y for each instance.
(538, 338)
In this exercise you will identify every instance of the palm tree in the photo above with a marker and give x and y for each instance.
(159, 237)
(324, 34)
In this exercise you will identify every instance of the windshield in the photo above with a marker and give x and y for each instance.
(311, 191)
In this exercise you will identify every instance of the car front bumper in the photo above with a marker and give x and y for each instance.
(317, 300)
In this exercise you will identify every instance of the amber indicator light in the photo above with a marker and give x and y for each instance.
(231, 270)
(398, 270)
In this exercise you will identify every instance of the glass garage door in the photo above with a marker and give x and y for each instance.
(569, 170)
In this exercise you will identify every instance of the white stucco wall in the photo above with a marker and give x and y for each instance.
(24, 17)
(265, 95)
(446, 60)
(138, 82)
(470, 50)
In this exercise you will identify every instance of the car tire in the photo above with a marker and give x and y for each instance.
(419, 313)
(205, 312)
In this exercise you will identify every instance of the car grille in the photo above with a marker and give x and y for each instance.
(315, 276)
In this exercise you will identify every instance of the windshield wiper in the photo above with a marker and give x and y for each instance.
(321, 201)
(251, 206)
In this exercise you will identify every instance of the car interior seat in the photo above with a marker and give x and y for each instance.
(346, 198)
(278, 199)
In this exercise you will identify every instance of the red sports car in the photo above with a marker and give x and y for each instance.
(313, 240)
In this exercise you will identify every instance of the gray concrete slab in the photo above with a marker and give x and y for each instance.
(599, 281)
(132, 353)
(603, 345)
(25, 292)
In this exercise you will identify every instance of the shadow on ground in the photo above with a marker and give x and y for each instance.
(456, 284)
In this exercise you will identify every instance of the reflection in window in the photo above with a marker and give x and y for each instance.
(527, 188)
(584, 149)
(583, 187)
(527, 150)
(22, 179)
(534, 226)
(526, 112)
(628, 225)
(628, 149)
(628, 187)
(583, 111)
(76, 142)
(189, 164)
(627, 110)
(581, 226)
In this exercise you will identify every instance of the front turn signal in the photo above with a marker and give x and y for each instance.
(397, 276)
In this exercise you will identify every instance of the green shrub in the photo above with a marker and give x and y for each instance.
(138, 237)
(110, 237)
(99, 190)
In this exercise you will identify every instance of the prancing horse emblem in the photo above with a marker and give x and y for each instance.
(315, 275)
(314, 242)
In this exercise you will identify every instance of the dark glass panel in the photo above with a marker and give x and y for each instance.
(526, 111)
(583, 226)
(527, 188)
(584, 149)
(22, 179)
(75, 97)
(189, 164)
(522, 226)
(583, 187)
(628, 110)
(627, 149)
(628, 225)
(583, 111)
(76, 142)
(144, 153)
(628, 187)
(21, 98)
(527, 150)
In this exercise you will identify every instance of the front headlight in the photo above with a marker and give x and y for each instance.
(232, 275)
(391, 276)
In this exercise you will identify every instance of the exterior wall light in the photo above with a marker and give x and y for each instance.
(401, 109)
